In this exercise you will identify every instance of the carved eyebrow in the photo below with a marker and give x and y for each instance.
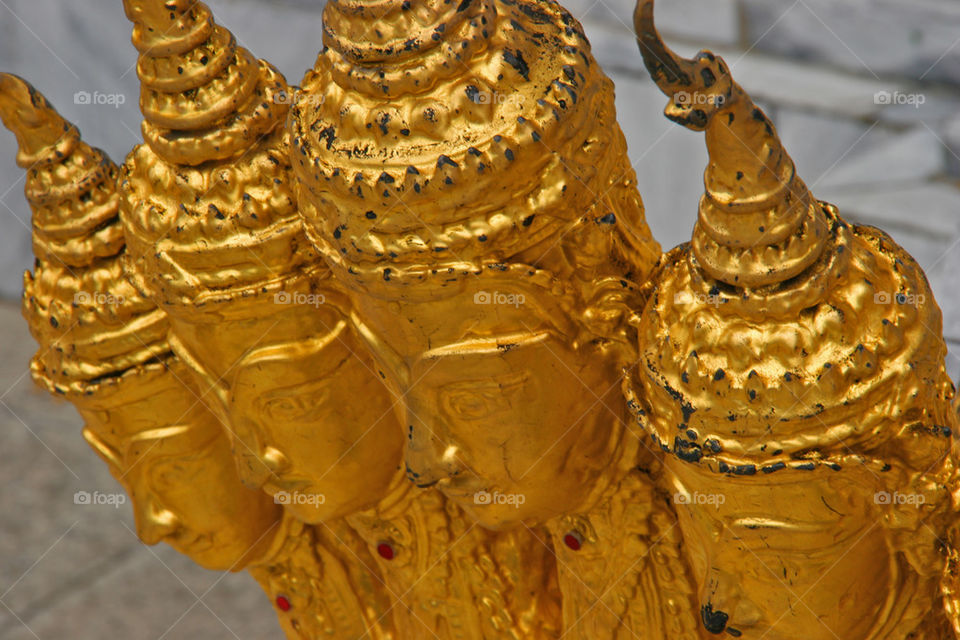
(161, 433)
(281, 352)
(796, 526)
(213, 385)
(393, 360)
(485, 346)
(101, 447)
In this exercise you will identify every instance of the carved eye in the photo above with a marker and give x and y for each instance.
(304, 406)
(479, 399)
(172, 474)
(472, 405)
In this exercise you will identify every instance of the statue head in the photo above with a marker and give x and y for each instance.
(104, 347)
(509, 379)
(215, 240)
(173, 458)
(257, 317)
(504, 399)
(807, 435)
(791, 370)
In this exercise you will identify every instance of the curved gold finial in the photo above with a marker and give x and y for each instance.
(759, 225)
(90, 323)
(203, 97)
(70, 185)
(41, 132)
(669, 71)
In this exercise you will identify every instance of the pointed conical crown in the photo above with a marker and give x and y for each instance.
(757, 355)
(207, 203)
(92, 326)
(70, 186)
(218, 234)
(759, 224)
(203, 97)
(432, 132)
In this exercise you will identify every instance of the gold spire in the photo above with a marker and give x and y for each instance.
(205, 203)
(776, 300)
(91, 324)
(70, 185)
(758, 225)
(203, 97)
(412, 129)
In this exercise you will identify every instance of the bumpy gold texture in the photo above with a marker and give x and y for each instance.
(400, 344)
(793, 363)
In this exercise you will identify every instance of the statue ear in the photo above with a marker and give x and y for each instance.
(609, 303)
(587, 248)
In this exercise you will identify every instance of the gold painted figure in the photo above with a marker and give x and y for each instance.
(104, 348)
(219, 246)
(400, 344)
(495, 303)
(792, 368)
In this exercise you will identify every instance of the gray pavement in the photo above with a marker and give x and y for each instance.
(78, 571)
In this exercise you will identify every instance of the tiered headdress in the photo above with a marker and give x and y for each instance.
(206, 202)
(784, 340)
(478, 132)
(93, 327)
(781, 332)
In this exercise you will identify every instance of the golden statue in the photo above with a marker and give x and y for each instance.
(399, 343)
(792, 369)
(104, 348)
(497, 304)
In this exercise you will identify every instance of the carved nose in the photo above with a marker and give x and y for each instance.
(154, 522)
(258, 469)
(429, 460)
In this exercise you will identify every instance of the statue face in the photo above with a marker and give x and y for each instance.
(774, 554)
(185, 491)
(316, 427)
(503, 416)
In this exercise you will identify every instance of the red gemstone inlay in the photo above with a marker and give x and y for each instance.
(283, 603)
(385, 551)
(573, 541)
